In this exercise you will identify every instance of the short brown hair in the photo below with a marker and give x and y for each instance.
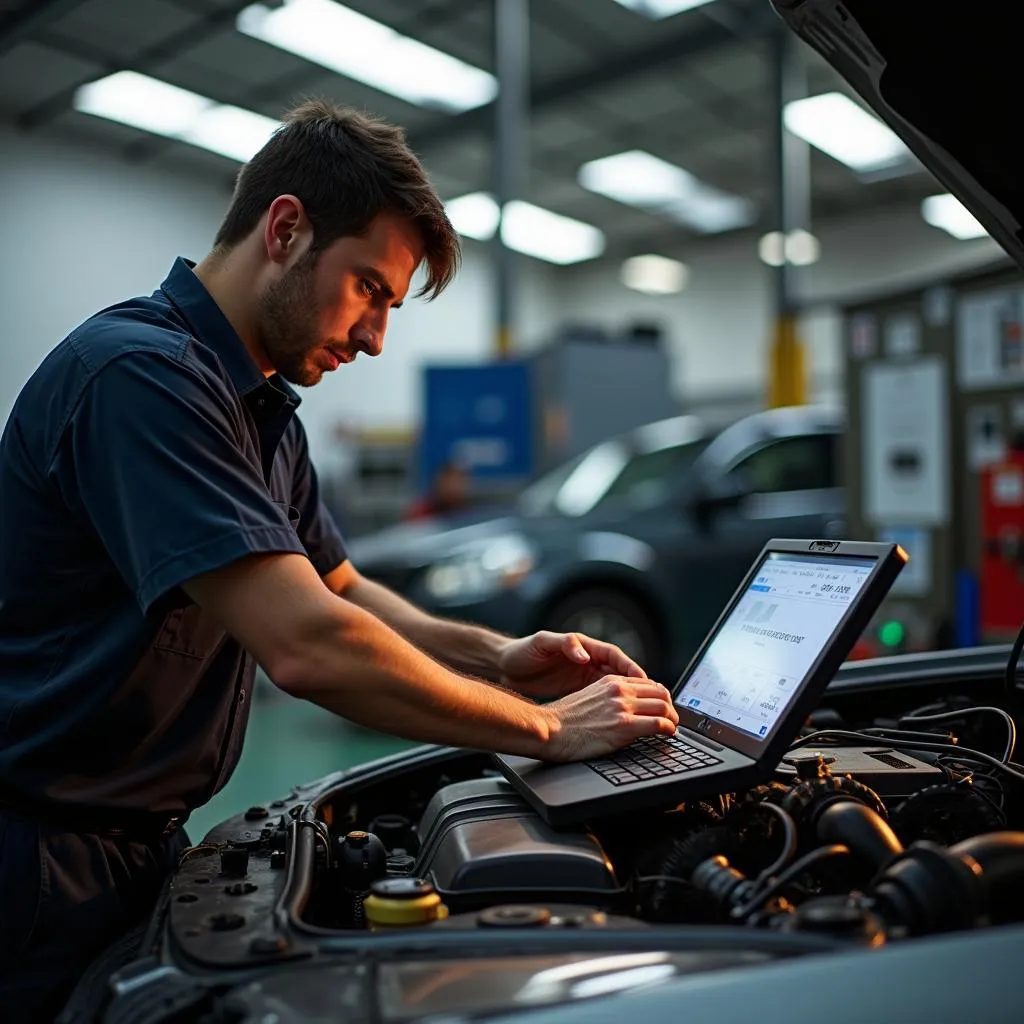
(346, 168)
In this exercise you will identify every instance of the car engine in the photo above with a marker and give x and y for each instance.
(870, 832)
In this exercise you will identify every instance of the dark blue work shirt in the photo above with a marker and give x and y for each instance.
(147, 449)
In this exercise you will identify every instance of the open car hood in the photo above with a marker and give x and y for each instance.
(944, 78)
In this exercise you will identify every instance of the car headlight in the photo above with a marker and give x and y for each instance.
(481, 569)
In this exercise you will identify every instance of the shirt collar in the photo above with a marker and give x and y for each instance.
(212, 328)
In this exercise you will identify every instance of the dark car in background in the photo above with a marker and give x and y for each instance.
(640, 540)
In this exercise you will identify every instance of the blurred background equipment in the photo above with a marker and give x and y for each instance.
(478, 418)
(589, 388)
(375, 483)
(935, 455)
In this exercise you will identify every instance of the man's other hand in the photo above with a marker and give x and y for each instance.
(608, 715)
(551, 665)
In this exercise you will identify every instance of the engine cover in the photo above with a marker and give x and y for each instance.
(480, 843)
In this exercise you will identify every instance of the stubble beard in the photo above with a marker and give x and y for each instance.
(287, 324)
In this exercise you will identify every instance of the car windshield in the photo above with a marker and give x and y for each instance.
(610, 472)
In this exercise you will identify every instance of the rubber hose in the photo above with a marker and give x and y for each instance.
(1001, 858)
(858, 827)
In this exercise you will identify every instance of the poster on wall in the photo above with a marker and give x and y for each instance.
(990, 339)
(906, 443)
(986, 439)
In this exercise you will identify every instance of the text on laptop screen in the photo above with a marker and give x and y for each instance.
(761, 654)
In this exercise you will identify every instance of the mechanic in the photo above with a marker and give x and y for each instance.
(161, 533)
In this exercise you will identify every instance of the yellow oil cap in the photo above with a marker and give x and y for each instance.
(403, 902)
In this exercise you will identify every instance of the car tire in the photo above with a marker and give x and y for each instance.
(611, 615)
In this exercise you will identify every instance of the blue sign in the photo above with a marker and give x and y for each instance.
(479, 418)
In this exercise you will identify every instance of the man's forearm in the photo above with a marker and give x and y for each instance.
(321, 648)
(356, 666)
(466, 648)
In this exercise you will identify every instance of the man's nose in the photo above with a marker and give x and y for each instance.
(370, 341)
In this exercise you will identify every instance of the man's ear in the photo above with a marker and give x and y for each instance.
(287, 232)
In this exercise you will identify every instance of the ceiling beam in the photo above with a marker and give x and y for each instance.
(443, 11)
(709, 97)
(145, 60)
(710, 36)
(26, 23)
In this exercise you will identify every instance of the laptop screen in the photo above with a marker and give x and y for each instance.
(760, 655)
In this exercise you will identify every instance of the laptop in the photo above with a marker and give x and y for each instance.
(743, 698)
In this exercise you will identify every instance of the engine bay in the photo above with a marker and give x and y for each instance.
(424, 884)
(871, 830)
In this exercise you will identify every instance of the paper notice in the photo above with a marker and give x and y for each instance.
(990, 340)
(986, 439)
(1008, 487)
(906, 443)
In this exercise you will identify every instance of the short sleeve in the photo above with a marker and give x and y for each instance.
(317, 530)
(154, 457)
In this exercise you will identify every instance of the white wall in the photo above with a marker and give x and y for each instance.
(82, 228)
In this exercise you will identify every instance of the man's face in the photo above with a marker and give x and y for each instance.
(332, 305)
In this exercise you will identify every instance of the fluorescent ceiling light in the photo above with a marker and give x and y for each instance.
(549, 236)
(836, 125)
(358, 47)
(142, 102)
(232, 131)
(771, 249)
(163, 109)
(802, 248)
(474, 215)
(949, 214)
(640, 179)
(661, 8)
(654, 275)
(799, 248)
(526, 228)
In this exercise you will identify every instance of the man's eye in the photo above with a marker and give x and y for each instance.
(369, 288)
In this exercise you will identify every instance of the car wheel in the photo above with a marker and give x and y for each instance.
(614, 617)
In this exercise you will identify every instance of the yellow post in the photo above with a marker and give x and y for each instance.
(503, 344)
(787, 369)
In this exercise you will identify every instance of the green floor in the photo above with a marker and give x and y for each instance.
(288, 741)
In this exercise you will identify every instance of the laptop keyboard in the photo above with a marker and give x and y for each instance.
(652, 757)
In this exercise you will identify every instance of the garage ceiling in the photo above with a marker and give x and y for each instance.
(692, 89)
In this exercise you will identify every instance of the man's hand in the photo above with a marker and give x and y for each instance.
(550, 665)
(608, 715)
